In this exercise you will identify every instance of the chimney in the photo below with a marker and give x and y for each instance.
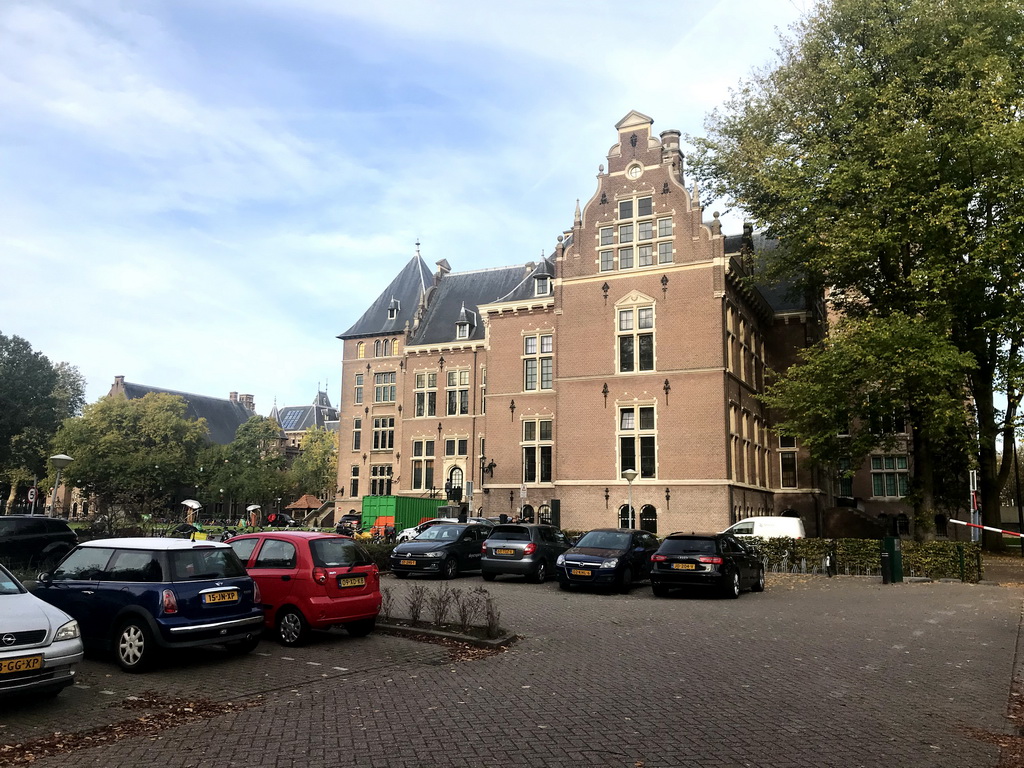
(247, 401)
(119, 381)
(233, 397)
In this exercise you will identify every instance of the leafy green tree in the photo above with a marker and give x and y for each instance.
(249, 470)
(132, 454)
(315, 470)
(885, 151)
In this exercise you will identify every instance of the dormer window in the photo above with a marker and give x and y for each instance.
(467, 320)
(462, 330)
(393, 308)
(543, 286)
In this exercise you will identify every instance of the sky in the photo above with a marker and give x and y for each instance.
(201, 196)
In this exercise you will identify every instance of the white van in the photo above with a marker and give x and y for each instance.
(768, 527)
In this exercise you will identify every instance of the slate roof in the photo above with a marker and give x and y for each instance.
(460, 294)
(405, 292)
(223, 416)
(781, 296)
(299, 418)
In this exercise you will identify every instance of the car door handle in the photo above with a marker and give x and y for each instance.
(87, 592)
(286, 578)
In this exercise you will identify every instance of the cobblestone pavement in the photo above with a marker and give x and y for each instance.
(813, 672)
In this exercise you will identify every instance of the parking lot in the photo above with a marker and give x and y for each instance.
(813, 672)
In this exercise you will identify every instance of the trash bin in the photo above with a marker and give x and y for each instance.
(892, 560)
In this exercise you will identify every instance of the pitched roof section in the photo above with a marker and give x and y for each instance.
(299, 418)
(223, 417)
(784, 296)
(527, 287)
(403, 295)
(459, 295)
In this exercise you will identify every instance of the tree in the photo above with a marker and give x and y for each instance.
(132, 454)
(249, 470)
(885, 150)
(315, 470)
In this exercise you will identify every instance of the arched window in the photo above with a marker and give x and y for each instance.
(455, 477)
(361, 350)
(394, 346)
(527, 514)
(648, 519)
(544, 513)
(378, 348)
(625, 519)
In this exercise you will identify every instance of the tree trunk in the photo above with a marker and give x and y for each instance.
(988, 465)
(924, 480)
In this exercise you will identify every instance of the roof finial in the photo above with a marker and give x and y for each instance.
(417, 246)
(696, 195)
(578, 219)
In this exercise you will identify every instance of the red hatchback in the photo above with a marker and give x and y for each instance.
(311, 581)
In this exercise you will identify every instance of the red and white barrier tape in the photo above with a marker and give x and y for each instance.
(986, 528)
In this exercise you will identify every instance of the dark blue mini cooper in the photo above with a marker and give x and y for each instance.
(143, 596)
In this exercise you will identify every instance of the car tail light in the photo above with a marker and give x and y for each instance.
(712, 559)
(256, 596)
(319, 575)
(656, 558)
(483, 549)
(170, 601)
(530, 548)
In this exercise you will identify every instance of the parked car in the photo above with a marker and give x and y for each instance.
(522, 549)
(143, 597)
(39, 644)
(281, 520)
(768, 527)
(408, 534)
(444, 550)
(610, 557)
(714, 561)
(34, 541)
(349, 525)
(311, 581)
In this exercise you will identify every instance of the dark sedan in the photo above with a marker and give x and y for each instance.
(522, 550)
(610, 557)
(443, 550)
(713, 561)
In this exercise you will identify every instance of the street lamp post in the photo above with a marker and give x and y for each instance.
(630, 476)
(59, 462)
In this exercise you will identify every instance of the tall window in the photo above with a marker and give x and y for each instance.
(638, 225)
(359, 388)
(426, 394)
(844, 484)
(383, 433)
(538, 448)
(538, 365)
(636, 339)
(384, 387)
(361, 350)
(354, 481)
(422, 464)
(458, 393)
(787, 469)
(357, 433)
(456, 447)
(637, 440)
(890, 476)
(380, 480)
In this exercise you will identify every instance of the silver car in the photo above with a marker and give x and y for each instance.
(39, 644)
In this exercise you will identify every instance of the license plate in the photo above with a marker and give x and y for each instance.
(578, 572)
(408, 562)
(684, 566)
(221, 597)
(352, 581)
(504, 551)
(23, 664)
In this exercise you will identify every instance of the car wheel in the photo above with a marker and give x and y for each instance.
(243, 647)
(659, 590)
(731, 586)
(360, 628)
(625, 580)
(450, 568)
(292, 628)
(565, 586)
(488, 576)
(134, 647)
(759, 581)
(540, 575)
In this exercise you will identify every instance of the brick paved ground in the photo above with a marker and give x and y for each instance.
(814, 672)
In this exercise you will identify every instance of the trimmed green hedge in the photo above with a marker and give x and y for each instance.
(861, 557)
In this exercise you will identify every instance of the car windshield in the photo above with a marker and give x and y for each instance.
(211, 563)
(604, 540)
(329, 553)
(440, 533)
(8, 584)
(510, 533)
(686, 546)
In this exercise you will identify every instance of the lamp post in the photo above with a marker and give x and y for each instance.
(630, 476)
(59, 462)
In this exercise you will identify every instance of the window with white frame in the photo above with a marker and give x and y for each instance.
(458, 392)
(890, 476)
(354, 481)
(357, 433)
(638, 444)
(538, 450)
(787, 469)
(635, 332)
(422, 464)
(456, 446)
(637, 224)
(383, 433)
(358, 389)
(384, 387)
(542, 286)
(607, 261)
(538, 363)
(425, 394)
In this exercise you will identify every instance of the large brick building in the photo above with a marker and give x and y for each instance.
(640, 343)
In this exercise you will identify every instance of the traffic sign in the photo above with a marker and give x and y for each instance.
(522, 491)
(31, 495)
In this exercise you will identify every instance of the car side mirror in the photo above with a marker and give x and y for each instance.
(44, 578)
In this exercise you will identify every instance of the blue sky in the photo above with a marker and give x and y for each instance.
(202, 195)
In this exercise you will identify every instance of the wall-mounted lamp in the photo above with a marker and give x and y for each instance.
(512, 408)
(606, 497)
(604, 391)
(666, 388)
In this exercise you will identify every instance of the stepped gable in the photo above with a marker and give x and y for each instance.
(458, 297)
(403, 295)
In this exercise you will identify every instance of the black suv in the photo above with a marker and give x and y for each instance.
(34, 541)
(715, 561)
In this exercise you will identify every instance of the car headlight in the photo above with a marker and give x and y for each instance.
(435, 553)
(560, 560)
(68, 632)
(610, 563)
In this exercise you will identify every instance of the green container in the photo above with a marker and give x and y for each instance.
(892, 551)
(405, 510)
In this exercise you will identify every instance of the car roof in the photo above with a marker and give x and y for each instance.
(694, 535)
(154, 543)
(293, 535)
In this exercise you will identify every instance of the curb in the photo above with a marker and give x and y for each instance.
(405, 630)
